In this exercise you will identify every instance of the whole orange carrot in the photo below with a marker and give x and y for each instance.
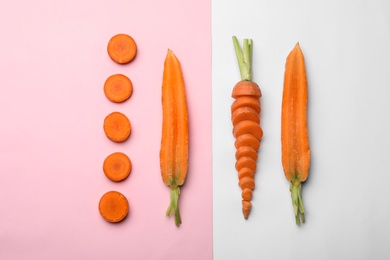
(295, 137)
(174, 140)
(245, 117)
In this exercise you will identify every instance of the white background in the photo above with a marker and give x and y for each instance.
(347, 50)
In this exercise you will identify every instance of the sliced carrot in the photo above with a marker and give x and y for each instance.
(246, 88)
(247, 140)
(117, 166)
(248, 127)
(122, 48)
(245, 116)
(118, 88)
(113, 206)
(117, 127)
(246, 101)
(246, 151)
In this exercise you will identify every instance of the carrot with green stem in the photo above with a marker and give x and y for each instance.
(295, 137)
(174, 139)
(245, 117)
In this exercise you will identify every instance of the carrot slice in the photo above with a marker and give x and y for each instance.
(247, 194)
(248, 127)
(113, 206)
(247, 140)
(247, 183)
(246, 151)
(117, 127)
(118, 88)
(117, 166)
(246, 172)
(122, 48)
(246, 88)
(245, 113)
(246, 101)
(245, 162)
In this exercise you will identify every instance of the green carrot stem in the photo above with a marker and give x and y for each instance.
(244, 57)
(299, 209)
(174, 205)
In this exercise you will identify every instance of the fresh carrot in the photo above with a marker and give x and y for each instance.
(117, 127)
(117, 166)
(113, 206)
(295, 137)
(174, 140)
(122, 48)
(118, 88)
(245, 117)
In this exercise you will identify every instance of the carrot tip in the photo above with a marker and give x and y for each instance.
(296, 197)
(174, 205)
(246, 208)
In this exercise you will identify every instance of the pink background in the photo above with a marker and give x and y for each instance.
(53, 64)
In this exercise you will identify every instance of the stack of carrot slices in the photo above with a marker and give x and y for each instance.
(113, 205)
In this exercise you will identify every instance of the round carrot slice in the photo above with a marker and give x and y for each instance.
(118, 88)
(246, 162)
(245, 113)
(247, 182)
(246, 88)
(122, 48)
(246, 151)
(247, 140)
(117, 127)
(246, 172)
(246, 101)
(117, 166)
(113, 206)
(248, 127)
(247, 194)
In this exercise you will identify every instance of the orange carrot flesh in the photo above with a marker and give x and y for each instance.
(245, 113)
(245, 162)
(246, 88)
(118, 88)
(246, 101)
(248, 127)
(246, 208)
(122, 48)
(174, 140)
(295, 138)
(245, 117)
(246, 172)
(113, 206)
(117, 127)
(246, 151)
(247, 140)
(117, 166)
